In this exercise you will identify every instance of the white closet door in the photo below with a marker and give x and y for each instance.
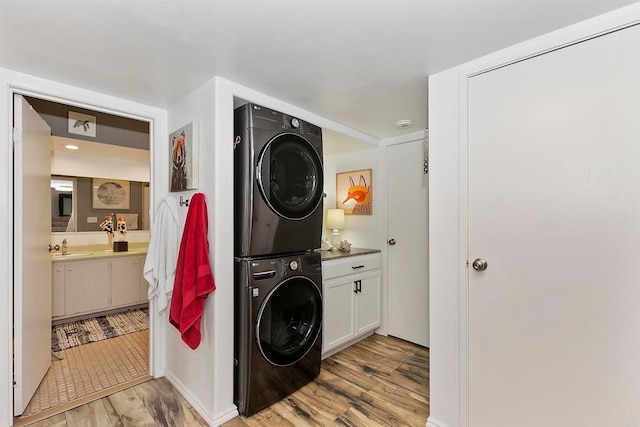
(554, 209)
(32, 263)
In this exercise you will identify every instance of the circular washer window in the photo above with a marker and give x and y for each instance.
(289, 321)
(290, 176)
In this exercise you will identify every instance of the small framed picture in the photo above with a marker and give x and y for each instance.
(111, 194)
(353, 192)
(183, 144)
(82, 124)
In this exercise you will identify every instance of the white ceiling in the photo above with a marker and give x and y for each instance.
(363, 63)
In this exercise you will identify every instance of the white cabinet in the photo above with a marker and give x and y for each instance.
(351, 295)
(86, 286)
(93, 285)
(125, 281)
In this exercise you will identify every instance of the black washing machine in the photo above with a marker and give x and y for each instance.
(278, 185)
(278, 318)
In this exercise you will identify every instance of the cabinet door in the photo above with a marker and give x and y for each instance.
(87, 286)
(58, 291)
(125, 282)
(338, 314)
(368, 302)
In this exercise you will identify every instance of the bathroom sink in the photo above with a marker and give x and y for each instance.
(72, 255)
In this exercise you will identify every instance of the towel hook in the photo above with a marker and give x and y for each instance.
(184, 202)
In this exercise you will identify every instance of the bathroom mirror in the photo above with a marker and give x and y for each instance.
(73, 208)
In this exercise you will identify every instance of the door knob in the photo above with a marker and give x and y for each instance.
(391, 242)
(479, 264)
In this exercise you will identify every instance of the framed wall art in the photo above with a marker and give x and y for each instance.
(81, 124)
(353, 192)
(111, 194)
(184, 158)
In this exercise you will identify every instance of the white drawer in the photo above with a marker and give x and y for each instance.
(350, 265)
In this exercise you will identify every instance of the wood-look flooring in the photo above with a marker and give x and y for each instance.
(380, 381)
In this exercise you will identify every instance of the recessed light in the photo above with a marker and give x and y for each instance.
(71, 147)
(404, 123)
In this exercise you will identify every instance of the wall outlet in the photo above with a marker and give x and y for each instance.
(92, 220)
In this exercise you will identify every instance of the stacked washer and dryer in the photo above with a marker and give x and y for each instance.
(278, 191)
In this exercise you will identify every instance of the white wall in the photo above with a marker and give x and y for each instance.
(197, 373)
(448, 103)
(11, 82)
(363, 231)
(443, 250)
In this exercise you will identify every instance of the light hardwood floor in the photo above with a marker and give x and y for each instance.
(380, 381)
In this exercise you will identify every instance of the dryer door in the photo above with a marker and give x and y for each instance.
(290, 176)
(289, 321)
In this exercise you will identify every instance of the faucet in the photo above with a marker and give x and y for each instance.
(65, 247)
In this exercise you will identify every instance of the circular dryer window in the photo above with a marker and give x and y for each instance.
(290, 176)
(289, 321)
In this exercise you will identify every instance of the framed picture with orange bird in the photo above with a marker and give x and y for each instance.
(354, 192)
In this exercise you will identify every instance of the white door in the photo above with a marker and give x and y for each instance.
(554, 209)
(32, 263)
(407, 253)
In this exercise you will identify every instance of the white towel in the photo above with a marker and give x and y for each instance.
(162, 255)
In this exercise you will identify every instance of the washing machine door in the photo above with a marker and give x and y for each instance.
(289, 321)
(290, 176)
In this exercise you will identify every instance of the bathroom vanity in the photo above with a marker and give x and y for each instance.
(94, 281)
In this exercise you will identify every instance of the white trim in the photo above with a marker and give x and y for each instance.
(14, 82)
(568, 36)
(463, 272)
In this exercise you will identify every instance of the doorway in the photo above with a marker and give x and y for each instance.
(102, 356)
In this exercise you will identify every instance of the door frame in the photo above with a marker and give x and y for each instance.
(449, 227)
(19, 83)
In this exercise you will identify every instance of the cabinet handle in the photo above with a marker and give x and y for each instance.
(357, 267)
(59, 269)
(70, 269)
(355, 290)
(359, 285)
(358, 288)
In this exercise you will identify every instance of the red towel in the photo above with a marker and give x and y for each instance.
(194, 279)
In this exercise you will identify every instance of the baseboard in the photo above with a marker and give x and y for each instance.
(221, 418)
(431, 422)
(193, 401)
